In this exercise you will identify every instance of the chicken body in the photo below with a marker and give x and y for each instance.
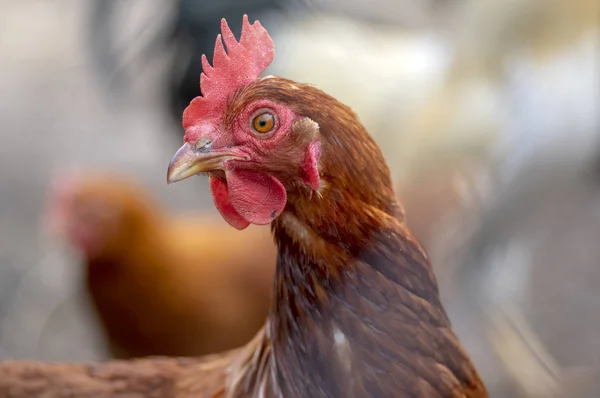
(163, 284)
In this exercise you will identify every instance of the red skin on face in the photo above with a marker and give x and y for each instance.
(244, 196)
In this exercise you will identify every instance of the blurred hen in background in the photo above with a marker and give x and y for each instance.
(162, 284)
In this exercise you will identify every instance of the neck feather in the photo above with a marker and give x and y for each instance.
(356, 313)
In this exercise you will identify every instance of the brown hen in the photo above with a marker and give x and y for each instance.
(356, 309)
(163, 284)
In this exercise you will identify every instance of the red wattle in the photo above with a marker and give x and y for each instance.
(221, 199)
(258, 197)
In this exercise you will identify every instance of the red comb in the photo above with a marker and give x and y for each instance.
(244, 62)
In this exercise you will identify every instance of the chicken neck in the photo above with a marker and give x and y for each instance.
(358, 317)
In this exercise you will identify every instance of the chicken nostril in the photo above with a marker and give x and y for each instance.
(203, 144)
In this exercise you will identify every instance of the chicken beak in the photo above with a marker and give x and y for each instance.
(189, 161)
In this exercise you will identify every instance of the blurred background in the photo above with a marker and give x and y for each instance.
(488, 113)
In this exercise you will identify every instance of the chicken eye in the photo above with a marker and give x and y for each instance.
(263, 123)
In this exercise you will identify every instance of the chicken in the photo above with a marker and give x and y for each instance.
(162, 284)
(356, 309)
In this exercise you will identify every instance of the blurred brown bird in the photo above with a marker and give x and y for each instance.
(162, 284)
(356, 309)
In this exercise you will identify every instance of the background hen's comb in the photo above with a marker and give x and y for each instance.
(243, 62)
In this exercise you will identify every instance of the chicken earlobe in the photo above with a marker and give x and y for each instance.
(311, 165)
